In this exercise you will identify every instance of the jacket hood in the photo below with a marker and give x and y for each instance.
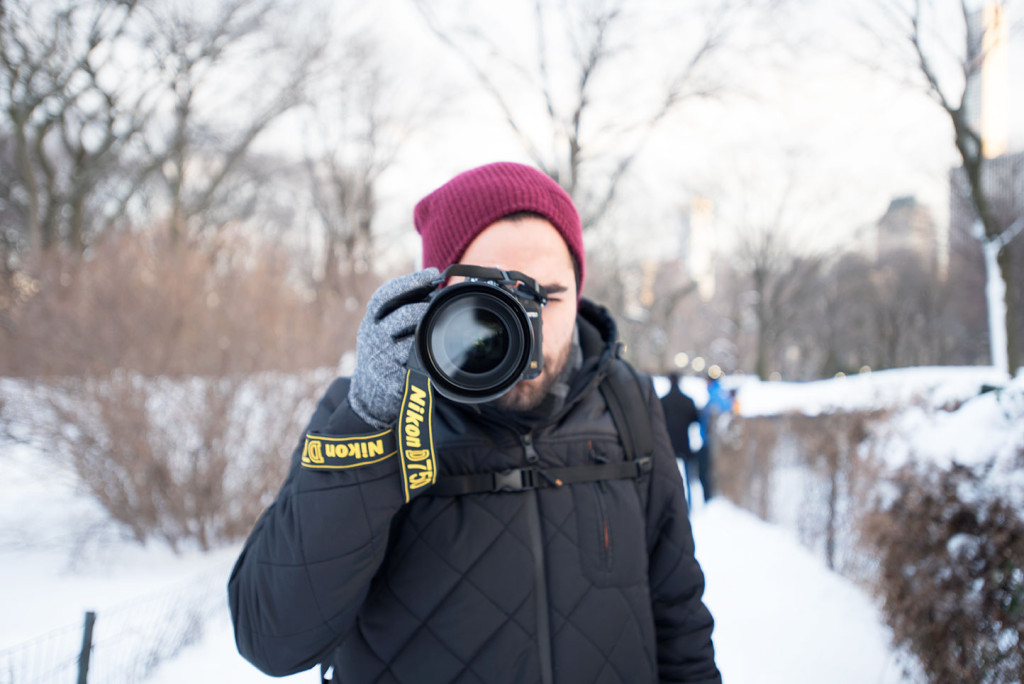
(599, 334)
(599, 339)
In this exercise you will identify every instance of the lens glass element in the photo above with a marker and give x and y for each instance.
(474, 340)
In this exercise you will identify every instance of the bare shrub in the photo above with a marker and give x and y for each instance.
(952, 574)
(744, 460)
(831, 472)
(181, 461)
(174, 380)
(836, 449)
(140, 303)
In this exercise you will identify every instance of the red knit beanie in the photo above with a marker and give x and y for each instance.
(449, 218)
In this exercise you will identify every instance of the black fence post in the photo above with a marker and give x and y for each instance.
(83, 657)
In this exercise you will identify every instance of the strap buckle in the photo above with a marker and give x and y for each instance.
(515, 480)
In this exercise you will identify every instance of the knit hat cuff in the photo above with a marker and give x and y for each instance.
(451, 217)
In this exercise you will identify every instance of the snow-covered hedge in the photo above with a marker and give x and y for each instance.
(951, 572)
(912, 481)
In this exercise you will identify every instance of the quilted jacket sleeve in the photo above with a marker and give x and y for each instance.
(307, 565)
(682, 621)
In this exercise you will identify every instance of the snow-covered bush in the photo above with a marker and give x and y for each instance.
(914, 482)
(949, 534)
(951, 566)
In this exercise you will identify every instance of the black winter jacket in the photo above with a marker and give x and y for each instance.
(570, 584)
(680, 413)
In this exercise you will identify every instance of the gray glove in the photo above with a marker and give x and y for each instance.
(383, 344)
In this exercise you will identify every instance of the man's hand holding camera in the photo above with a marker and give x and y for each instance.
(475, 340)
(383, 344)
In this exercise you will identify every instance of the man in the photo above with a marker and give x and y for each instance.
(680, 414)
(359, 566)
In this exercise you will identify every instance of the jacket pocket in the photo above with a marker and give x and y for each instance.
(611, 532)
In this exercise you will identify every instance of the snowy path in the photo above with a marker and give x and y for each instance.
(781, 616)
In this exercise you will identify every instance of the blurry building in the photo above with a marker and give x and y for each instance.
(987, 107)
(908, 228)
(699, 245)
(1003, 183)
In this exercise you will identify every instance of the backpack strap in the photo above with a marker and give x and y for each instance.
(621, 389)
(622, 392)
(521, 479)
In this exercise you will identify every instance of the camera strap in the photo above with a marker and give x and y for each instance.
(412, 439)
(521, 284)
(415, 434)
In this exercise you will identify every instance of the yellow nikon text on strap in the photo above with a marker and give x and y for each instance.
(415, 437)
(333, 453)
(412, 438)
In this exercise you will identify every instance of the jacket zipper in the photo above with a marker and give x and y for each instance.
(539, 575)
(604, 541)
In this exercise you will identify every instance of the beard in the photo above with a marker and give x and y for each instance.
(528, 394)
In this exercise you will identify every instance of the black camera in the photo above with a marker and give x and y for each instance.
(481, 336)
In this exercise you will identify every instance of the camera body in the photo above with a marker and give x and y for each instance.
(481, 336)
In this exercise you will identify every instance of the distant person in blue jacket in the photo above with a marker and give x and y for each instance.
(719, 401)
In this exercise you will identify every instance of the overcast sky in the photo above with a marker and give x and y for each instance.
(805, 124)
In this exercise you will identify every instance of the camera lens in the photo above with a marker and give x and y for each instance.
(475, 340)
(471, 340)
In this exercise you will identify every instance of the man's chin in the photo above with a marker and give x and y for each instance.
(529, 394)
(526, 395)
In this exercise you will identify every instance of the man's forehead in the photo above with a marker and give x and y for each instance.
(523, 237)
(531, 245)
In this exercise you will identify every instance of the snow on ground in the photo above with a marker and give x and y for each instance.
(932, 387)
(781, 615)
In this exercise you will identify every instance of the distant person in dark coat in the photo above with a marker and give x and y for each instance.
(680, 414)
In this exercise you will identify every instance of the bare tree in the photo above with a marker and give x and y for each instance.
(572, 100)
(783, 285)
(653, 328)
(905, 311)
(103, 97)
(67, 111)
(842, 333)
(228, 76)
(356, 128)
(948, 72)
